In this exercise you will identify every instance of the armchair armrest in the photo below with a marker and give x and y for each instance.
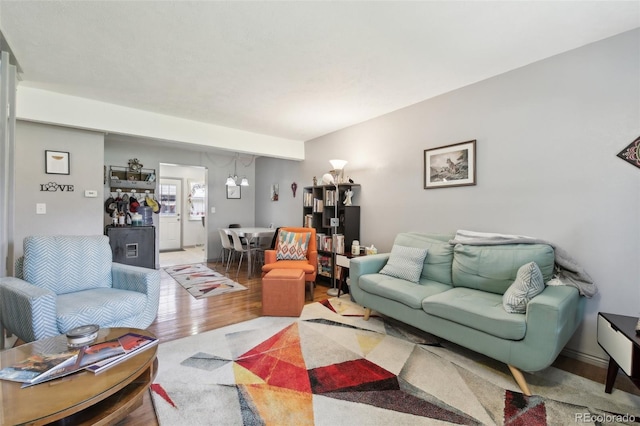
(135, 278)
(26, 310)
(269, 256)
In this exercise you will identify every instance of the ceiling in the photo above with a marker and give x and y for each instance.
(296, 70)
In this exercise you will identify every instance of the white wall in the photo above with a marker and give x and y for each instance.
(66, 212)
(44, 106)
(547, 138)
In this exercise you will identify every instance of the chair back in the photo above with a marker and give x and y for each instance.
(224, 239)
(237, 244)
(66, 263)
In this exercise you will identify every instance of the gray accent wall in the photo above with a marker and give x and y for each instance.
(287, 211)
(547, 138)
(67, 213)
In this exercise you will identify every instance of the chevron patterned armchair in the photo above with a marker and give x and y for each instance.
(63, 282)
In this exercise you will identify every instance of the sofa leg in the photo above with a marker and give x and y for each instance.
(520, 380)
(367, 314)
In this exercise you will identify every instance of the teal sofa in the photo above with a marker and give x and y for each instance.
(459, 298)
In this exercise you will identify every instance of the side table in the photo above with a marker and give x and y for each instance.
(343, 260)
(617, 336)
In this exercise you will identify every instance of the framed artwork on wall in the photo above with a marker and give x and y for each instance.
(234, 192)
(56, 162)
(450, 165)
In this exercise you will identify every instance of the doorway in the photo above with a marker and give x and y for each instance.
(170, 210)
(182, 235)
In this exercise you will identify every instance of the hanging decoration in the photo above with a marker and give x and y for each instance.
(294, 187)
(631, 153)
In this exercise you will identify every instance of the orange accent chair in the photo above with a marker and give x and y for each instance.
(309, 266)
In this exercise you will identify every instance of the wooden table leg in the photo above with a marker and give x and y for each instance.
(612, 372)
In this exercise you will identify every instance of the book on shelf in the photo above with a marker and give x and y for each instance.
(308, 221)
(132, 344)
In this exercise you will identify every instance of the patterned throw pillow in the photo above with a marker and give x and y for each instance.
(405, 263)
(528, 284)
(292, 245)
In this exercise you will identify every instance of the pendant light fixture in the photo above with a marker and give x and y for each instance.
(232, 180)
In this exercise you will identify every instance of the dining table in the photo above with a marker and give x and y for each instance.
(251, 235)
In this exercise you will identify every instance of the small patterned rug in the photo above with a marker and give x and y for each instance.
(330, 367)
(201, 281)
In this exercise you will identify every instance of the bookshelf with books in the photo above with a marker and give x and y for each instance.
(319, 204)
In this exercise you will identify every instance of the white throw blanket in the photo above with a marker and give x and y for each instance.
(568, 271)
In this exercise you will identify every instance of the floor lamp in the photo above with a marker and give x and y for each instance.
(338, 167)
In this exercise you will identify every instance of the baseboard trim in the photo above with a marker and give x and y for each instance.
(589, 359)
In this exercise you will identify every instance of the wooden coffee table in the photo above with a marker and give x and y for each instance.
(82, 397)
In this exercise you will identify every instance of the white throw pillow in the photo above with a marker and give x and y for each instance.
(405, 263)
(528, 284)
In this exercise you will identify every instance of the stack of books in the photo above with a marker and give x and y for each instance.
(98, 357)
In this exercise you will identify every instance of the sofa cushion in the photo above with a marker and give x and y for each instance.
(437, 264)
(66, 264)
(97, 306)
(400, 290)
(292, 245)
(405, 263)
(494, 268)
(528, 284)
(478, 310)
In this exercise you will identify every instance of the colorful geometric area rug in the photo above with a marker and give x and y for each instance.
(201, 281)
(330, 367)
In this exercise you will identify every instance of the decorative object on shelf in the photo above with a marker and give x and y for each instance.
(275, 191)
(327, 179)
(234, 192)
(450, 165)
(294, 187)
(134, 165)
(232, 180)
(53, 187)
(631, 153)
(336, 173)
(348, 194)
(122, 177)
(315, 181)
(56, 162)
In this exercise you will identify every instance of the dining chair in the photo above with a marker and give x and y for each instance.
(238, 247)
(226, 247)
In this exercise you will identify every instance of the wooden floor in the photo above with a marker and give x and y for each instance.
(180, 315)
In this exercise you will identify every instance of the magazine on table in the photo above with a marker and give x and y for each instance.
(132, 344)
(38, 368)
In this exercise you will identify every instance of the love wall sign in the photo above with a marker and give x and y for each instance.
(53, 187)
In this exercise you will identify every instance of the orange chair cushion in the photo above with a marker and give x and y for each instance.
(302, 265)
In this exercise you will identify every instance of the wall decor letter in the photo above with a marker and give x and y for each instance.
(53, 187)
